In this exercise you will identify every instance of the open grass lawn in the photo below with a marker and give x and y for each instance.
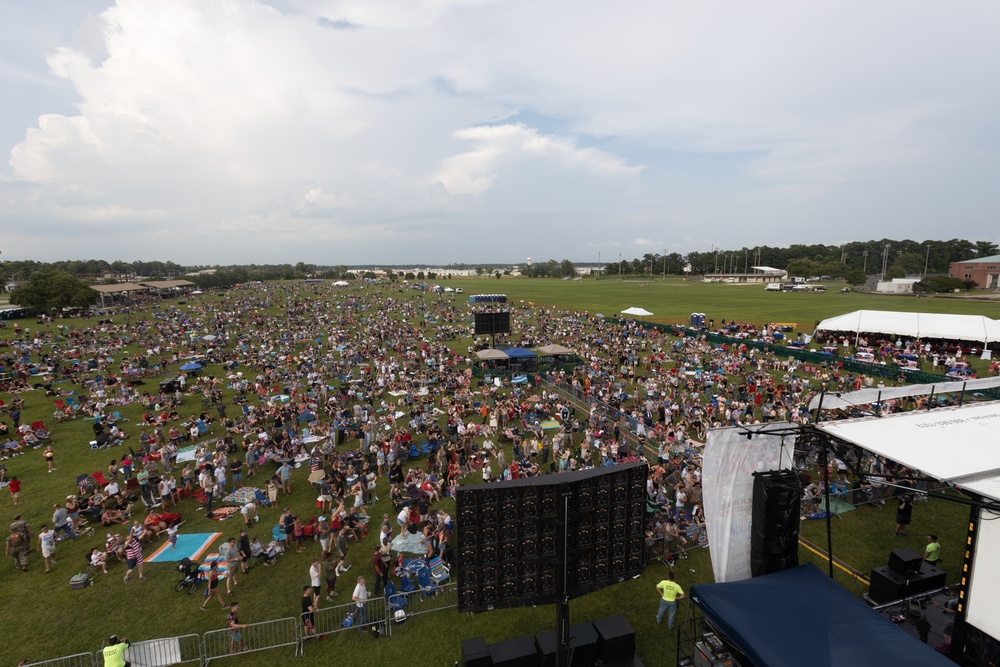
(42, 618)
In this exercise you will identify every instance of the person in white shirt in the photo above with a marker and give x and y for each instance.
(360, 597)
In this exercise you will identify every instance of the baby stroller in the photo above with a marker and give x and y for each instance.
(192, 576)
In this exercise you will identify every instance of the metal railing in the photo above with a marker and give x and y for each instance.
(420, 601)
(165, 651)
(261, 636)
(76, 660)
(331, 620)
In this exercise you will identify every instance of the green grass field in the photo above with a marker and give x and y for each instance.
(44, 619)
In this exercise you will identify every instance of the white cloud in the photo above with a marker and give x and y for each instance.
(422, 121)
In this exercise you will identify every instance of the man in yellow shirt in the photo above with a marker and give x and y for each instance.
(114, 653)
(670, 592)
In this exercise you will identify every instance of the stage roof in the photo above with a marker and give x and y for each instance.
(118, 287)
(956, 445)
(166, 284)
(867, 396)
(801, 617)
(915, 325)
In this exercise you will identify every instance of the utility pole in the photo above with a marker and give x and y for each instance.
(927, 259)
(864, 268)
(598, 264)
(619, 266)
(885, 259)
(664, 263)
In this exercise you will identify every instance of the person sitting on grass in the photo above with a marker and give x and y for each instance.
(111, 516)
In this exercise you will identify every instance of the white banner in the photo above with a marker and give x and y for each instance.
(728, 465)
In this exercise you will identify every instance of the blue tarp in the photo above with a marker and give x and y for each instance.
(519, 353)
(801, 617)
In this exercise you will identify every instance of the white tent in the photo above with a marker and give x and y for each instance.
(341, 283)
(915, 325)
(638, 312)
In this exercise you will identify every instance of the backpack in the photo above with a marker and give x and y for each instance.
(16, 540)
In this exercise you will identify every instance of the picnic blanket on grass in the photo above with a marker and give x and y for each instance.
(192, 546)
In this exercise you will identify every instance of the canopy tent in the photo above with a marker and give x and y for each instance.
(491, 354)
(914, 439)
(553, 349)
(869, 396)
(635, 310)
(341, 283)
(915, 325)
(519, 353)
(801, 617)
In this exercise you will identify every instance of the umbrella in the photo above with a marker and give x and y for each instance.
(197, 291)
(341, 283)
(191, 366)
(491, 354)
(599, 316)
(209, 337)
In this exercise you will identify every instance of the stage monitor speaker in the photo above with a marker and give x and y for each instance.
(583, 646)
(905, 561)
(888, 585)
(516, 652)
(774, 539)
(615, 640)
(476, 653)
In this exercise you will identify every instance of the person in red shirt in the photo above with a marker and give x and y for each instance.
(515, 470)
(381, 569)
(15, 488)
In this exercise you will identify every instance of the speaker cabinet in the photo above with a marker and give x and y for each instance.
(774, 539)
(905, 561)
(476, 653)
(615, 640)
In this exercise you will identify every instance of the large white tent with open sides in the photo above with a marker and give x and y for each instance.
(915, 325)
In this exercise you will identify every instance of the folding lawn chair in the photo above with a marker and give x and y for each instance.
(99, 477)
(395, 600)
(439, 571)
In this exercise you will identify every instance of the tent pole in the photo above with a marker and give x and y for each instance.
(961, 396)
(829, 512)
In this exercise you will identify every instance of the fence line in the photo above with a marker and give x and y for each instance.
(419, 601)
(76, 660)
(331, 620)
(256, 637)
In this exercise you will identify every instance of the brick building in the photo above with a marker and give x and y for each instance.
(984, 270)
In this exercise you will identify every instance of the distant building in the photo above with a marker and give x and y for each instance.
(984, 270)
(758, 274)
(897, 286)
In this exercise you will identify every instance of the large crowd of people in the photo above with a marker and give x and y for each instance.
(357, 392)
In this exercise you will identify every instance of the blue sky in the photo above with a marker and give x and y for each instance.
(436, 131)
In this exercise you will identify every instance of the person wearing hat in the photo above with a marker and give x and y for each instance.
(17, 546)
(114, 652)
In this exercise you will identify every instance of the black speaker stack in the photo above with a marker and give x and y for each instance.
(906, 575)
(774, 535)
(609, 642)
(509, 536)
(492, 323)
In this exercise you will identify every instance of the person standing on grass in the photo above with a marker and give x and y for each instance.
(360, 597)
(381, 569)
(670, 592)
(60, 521)
(932, 552)
(17, 548)
(50, 457)
(315, 574)
(236, 643)
(133, 556)
(47, 545)
(310, 604)
(14, 486)
(231, 558)
(904, 513)
(330, 567)
(342, 551)
(212, 588)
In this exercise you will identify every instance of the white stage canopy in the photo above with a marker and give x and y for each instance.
(637, 311)
(956, 445)
(915, 325)
(838, 400)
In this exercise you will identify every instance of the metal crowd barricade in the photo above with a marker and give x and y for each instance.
(76, 660)
(420, 602)
(331, 620)
(257, 637)
(166, 651)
